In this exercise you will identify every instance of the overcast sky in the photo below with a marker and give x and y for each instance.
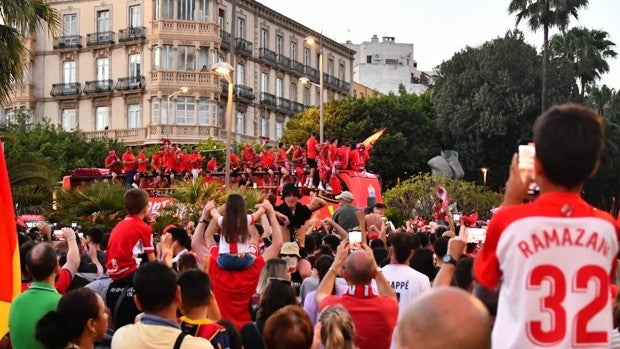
(437, 28)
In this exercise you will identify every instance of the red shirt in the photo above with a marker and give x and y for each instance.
(212, 165)
(234, 160)
(195, 160)
(157, 162)
(63, 281)
(268, 159)
(281, 158)
(129, 161)
(170, 160)
(298, 157)
(249, 157)
(374, 316)
(129, 234)
(113, 163)
(311, 144)
(142, 162)
(234, 288)
(185, 163)
(354, 157)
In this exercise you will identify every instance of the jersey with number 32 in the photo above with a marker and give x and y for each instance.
(554, 258)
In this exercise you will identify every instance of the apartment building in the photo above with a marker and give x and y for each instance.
(384, 65)
(139, 70)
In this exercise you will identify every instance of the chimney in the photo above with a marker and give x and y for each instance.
(374, 38)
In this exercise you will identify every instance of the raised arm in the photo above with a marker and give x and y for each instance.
(456, 247)
(199, 245)
(276, 234)
(336, 227)
(73, 254)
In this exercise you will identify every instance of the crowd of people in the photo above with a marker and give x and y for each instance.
(311, 164)
(273, 276)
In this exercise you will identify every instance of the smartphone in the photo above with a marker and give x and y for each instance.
(456, 217)
(355, 238)
(73, 225)
(527, 153)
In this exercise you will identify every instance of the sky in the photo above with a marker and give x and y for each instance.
(438, 28)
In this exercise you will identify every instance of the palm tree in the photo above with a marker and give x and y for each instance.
(600, 98)
(545, 14)
(19, 19)
(586, 50)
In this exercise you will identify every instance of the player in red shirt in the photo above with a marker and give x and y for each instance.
(157, 166)
(113, 163)
(130, 166)
(268, 162)
(282, 162)
(553, 258)
(143, 163)
(195, 161)
(312, 148)
(212, 164)
(298, 160)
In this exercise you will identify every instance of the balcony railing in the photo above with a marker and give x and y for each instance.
(297, 67)
(154, 133)
(243, 46)
(130, 83)
(98, 86)
(68, 41)
(66, 89)
(297, 107)
(132, 34)
(345, 86)
(244, 92)
(267, 99)
(226, 38)
(283, 61)
(192, 79)
(100, 38)
(311, 73)
(283, 104)
(268, 55)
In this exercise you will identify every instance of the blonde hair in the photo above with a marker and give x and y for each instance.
(337, 330)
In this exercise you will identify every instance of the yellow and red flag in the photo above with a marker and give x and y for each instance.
(373, 138)
(10, 275)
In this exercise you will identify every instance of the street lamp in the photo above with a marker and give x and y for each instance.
(182, 89)
(484, 177)
(226, 70)
(310, 40)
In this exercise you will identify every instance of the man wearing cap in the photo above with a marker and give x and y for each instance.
(346, 215)
(298, 267)
(293, 215)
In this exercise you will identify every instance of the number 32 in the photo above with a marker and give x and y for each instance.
(553, 304)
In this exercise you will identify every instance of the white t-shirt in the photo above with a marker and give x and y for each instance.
(407, 282)
(242, 247)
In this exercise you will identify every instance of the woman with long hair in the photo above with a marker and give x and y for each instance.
(79, 321)
(337, 328)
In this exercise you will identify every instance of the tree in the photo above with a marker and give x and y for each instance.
(487, 99)
(587, 51)
(20, 19)
(411, 138)
(546, 14)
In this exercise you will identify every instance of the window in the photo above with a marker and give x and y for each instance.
(293, 51)
(293, 92)
(186, 113)
(278, 87)
(240, 122)
(186, 10)
(103, 21)
(103, 69)
(203, 58)
(318, 61)
(204, 111)
(279, 44)
(155, 111)
(69, 72)
(330, 67)
(135, 16)
(264, 125)
(240, 74)
(240, 28)
(202, 13)
(102, 118)
(306, 95)
(264, 38)
(341, 71)
(279, 129)
(221, 16)
(69, 24)
(163, 57)
(263, 82)
(369, 59)
(134, 65)
(306, 56)
(256, 126)
(164, 9)
(68, 120)
(134, 116)
(186, 58)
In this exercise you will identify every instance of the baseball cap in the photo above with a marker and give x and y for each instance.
(345, 195)
(290, 248)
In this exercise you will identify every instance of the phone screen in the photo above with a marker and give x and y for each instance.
(355, 237)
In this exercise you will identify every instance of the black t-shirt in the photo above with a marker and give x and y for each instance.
(251, 336)
(126, 311)
(297, 219)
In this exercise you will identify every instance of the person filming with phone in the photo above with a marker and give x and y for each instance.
(374, 315)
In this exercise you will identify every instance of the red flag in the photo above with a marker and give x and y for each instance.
(10, 276)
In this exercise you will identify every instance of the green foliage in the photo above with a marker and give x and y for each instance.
(487, 99)
(411, 138)
(416, 197)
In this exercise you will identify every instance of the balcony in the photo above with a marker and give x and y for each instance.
(311, 73)
(130, 83)
(67, 42)
(185, 134)
(297, 107)
(345, 86)
(297, 67)
(185, 30)
(100, 38)
(244, 93)
(175, 79)
(243, 46)
(132, 34)
(268, 55)
(98, 86)
(66, 89)
(283, 61)
(283, 104)
(226, 38)
(267, 99)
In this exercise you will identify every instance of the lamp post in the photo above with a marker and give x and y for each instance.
(226, 70)
(182, 89)
(484, 178)
(310, 40)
